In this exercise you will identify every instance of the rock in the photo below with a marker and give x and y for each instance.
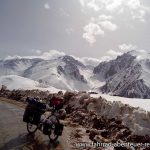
(99, 138)
(105, 134)
(3, 88)
(76, 134)
(68, 95)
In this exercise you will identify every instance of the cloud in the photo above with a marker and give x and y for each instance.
(111, 54)
(95, 27)
(104, 17)
(82, 2)
(52, 54)
(138, 10)
(123, 48)
(127, 47)
(90, 4)
(113, 5)
(91, 30)
(134, 4)
(105, 58)
(140, 54)
(108, 25)
(104, 21)
(114, 53)
(36, 51)
(90, 61)
(139, 15)
(135, 8)
(142, 51)
(46, 6)
(12, 57)
(97, 5)
(93, 5)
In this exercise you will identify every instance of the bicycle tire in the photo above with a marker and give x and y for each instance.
(56, 135)
(28, 128)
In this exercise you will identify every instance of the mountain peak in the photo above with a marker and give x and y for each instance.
(127, 75)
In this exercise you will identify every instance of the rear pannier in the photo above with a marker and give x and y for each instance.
(33, 112)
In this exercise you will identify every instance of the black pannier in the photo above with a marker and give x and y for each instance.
(33, 112)
(29, 113)
(32, 116)
(59, 129)
(47, 128)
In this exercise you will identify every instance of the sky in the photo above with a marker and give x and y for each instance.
(83, 28)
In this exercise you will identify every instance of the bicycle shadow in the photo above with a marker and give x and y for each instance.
(29, 142)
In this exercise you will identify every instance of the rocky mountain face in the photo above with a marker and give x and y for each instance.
(71, 69)
(126, 76)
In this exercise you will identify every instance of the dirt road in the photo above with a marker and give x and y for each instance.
(13, 133)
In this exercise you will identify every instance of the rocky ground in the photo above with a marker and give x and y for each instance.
(82, 110)
(93, 119)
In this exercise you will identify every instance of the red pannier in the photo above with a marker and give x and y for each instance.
(57, 102)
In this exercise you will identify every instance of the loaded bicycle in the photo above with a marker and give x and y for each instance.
(35, 119)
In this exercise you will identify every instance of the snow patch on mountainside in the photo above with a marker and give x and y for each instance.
(17, 82)
(93, 81)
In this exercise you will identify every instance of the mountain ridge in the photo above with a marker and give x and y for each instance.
(126, 76)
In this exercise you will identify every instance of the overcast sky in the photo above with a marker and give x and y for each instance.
(84, 28)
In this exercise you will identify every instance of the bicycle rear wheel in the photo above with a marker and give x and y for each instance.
(31, 128)
(53, 136)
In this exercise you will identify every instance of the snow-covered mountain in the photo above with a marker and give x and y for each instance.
(62, 71)
(16, 66)
(127, 76)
